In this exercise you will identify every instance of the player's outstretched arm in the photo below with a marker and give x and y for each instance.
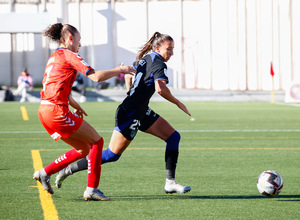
(102, 75)
(162, 89)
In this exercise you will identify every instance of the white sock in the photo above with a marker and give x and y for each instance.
(43, 172)
(90, 190)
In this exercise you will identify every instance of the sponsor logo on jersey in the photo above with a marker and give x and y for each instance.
(148, 111)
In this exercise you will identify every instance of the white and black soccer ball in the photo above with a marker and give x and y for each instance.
(269, 183)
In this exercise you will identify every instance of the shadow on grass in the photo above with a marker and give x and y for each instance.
(279, 198)
(166, 197)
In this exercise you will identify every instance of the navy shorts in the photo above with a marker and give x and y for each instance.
(128, 125)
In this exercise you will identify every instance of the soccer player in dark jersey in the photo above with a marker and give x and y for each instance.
(134, 113)
(56, 117)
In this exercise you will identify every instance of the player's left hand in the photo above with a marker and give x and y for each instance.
(80, 112)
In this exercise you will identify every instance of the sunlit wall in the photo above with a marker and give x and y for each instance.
(219, 44)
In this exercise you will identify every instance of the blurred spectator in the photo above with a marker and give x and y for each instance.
(25, 84)
(8, 95)
(79, 86)
(102, 85)
(119, 81)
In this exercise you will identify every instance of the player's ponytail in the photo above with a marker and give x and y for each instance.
(156, 40)
(59, 32)
(54, 32)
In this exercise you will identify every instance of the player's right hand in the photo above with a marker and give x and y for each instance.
(127, 69)
(183, 108)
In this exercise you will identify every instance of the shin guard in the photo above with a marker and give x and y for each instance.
(171, 154)
(94, 164)
(63, 161)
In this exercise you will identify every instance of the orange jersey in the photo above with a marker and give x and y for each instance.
(60, 74)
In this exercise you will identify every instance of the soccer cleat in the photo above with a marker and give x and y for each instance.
(44, 180)
(61, 176)
(96, 195)
(172, 187)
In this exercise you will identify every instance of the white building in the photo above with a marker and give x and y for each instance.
(219, 44)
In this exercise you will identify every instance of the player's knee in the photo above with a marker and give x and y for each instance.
(84, 151)
(173, 141)
(109, 156)
(174, 138)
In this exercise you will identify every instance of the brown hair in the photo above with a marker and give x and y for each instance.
(25, 71)
(58, 32)
(156, 40)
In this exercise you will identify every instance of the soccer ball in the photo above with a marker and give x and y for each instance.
(269, 183)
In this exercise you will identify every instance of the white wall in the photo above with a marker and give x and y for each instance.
(226, 45)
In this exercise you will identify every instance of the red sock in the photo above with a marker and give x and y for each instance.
(94, 164)
(63, 161)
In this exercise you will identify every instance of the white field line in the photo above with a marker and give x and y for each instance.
(191, 131)
(289, 104)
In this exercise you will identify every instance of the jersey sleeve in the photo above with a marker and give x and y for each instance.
(160, 73)
(78, 63)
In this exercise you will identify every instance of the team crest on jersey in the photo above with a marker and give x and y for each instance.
(142, 62)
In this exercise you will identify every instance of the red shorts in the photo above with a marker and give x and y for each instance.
(59, 121)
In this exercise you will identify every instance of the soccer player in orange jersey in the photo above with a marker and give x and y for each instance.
(56, 117)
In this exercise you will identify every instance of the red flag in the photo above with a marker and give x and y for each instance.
(271, 70)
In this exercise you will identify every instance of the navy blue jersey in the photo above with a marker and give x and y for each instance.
(149, 69)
